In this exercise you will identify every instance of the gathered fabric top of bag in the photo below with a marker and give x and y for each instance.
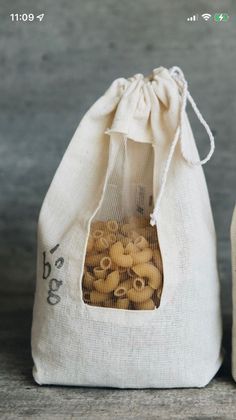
(151, 109)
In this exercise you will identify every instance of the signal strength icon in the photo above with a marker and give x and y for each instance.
(206, 16)
(192, 18)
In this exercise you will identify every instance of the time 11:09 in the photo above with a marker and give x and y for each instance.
(25, 17)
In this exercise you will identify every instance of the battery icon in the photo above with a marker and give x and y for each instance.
(221, 17)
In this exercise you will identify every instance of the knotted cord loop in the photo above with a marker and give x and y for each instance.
(177, 74)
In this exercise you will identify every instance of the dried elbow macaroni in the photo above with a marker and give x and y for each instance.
(123, 265)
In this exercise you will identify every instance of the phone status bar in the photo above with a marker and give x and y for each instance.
(207, 17)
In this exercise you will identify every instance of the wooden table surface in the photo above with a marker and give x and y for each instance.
(22, 398)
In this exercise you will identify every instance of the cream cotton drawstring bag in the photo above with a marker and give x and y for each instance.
(127, 291)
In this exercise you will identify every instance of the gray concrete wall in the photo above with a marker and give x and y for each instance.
(51, 72)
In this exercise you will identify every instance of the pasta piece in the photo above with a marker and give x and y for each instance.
(99, 272)
(90, 244)
(97, 225)
(123, 239)
(86, 296)
(126, 284)
(141, 295)
(141, 242)
(130, 272)
(111, 238)
(118, 257)
(120, 291)
(110, 303)
(105, 263)
(94, 259)
(115, 267)
(131, 248)
(157, 259)
(97, 297)
(147, 305)
(122, 269)
(112, 226)
(122, 303)
(149, 233)
(132, 234)
(138, 284)
(123, 274)
(98, 233)
(88, 280)
(101, 244)
(151, 272)
(142, 256)
(109, 284)
(158, 293)
(126, 228)
(156, 297)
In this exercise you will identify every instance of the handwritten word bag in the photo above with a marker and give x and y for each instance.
(127, 290)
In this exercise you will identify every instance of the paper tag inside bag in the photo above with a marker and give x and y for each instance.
(144, 200)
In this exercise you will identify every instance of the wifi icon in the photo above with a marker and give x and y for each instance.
(206, 16)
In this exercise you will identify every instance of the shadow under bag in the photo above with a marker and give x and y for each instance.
(127, 291)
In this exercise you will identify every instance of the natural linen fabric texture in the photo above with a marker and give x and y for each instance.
(176, 345)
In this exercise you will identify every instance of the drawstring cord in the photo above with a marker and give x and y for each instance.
(178, 76)
(125, 190)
